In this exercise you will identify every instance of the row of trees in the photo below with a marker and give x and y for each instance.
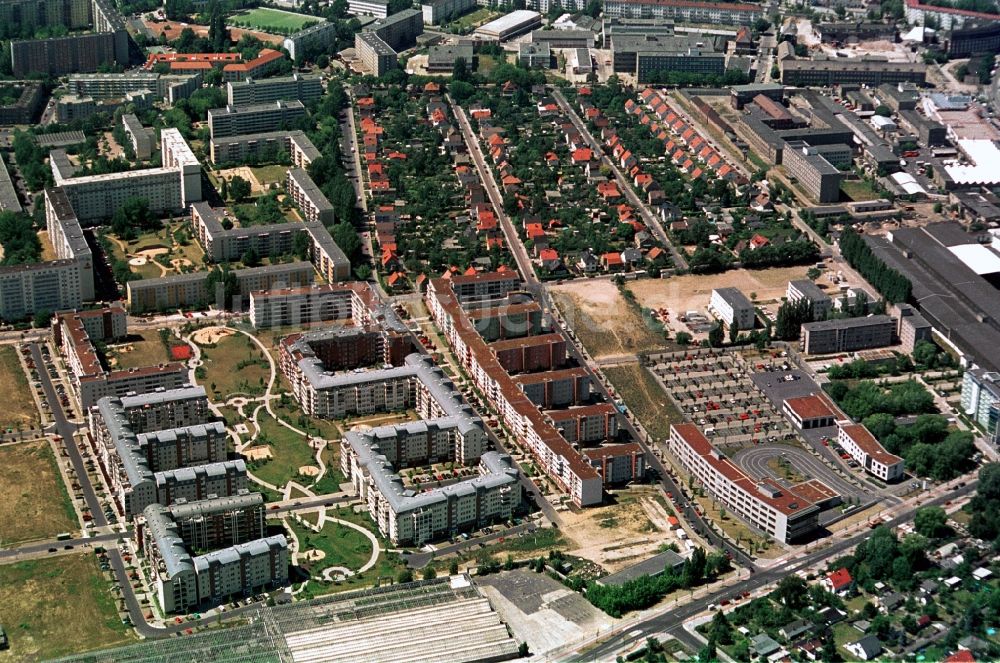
(132, 218)
(645, 591)
(891, 284)
(791, 316)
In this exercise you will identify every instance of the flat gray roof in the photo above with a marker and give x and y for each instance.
(651, 566)
(848, 323)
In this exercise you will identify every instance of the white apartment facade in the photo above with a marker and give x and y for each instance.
(730, 305)
(858, 441)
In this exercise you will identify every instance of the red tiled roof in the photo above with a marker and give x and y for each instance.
(813, 406)
(839, 579)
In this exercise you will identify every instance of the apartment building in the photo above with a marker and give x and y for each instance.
(311, 40)
(543, 352)
(586, 424)
(685, 11)
(184, 581)
(730, 306)
(222, 245)
(619, 465)
(556, 456)
(377, 56)
(138, 136)
(827, 73)
(312, 204)
(264, 147)
(848, 334)
(437, 12)
(48, 286)
(318, 366)
(555, 389)
(177, 155)
(376, 8)
(981, 399)
(27, 106)
(400, 30)
(858, 441)
(406, 517)
(96, 197)
(190, 291)
(822, 303)
(648, 57)
(166, 408)
(30, 15)
(108, 44)
(169, 87)
(265, 62)
(765, 505)
(356, 301)
(818, 177)
(253, 119)
(303, 87)
(88, 377)
(68, 241)
(913, 328)
(182, 463)
(946, 17)
(215, 523)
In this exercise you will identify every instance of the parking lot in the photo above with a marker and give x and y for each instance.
(714, 389)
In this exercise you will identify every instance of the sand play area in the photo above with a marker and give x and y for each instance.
(313, 555)
(257, 453)
(211, 335)
(256, 187)
(309, 471)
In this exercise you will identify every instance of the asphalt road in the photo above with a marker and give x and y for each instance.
(496, 197)
(66, 430)
(672, 620)
(754, 460)
(626, 186)
(31, 549)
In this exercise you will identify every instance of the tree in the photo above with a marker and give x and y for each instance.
(734, 332)
(404, 576)
(931, 521)
(883, 111)
(250, 258)
(453, 568)
(42, 318)
(720, 629)
(239, 188)
(460, 70)
(715, 336)
(683, 338)
(792, 591)
(323, 61)
(985, 506)
(522, 650)
(131, 217)
(429, 573)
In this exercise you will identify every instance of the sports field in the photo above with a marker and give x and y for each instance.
(273, 20)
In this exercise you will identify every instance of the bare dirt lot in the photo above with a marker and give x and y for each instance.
(622, 534)
(603, 321)
(692, 292)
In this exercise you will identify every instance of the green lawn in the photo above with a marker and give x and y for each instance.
(55, 607)
(289, 452)
(858, 190)
(273, 20)
(20, 411)
(267, 174)
(143, 349)
(234, 365)
(290, 411)
(475, 19)
(341, 545)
